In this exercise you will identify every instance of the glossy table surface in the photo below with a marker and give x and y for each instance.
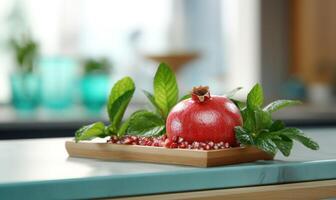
(41, 169)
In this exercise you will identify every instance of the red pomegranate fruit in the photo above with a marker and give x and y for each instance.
(204, 118)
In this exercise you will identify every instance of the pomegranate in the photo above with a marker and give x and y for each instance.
(204, 118)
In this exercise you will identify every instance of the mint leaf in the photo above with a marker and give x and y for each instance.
(243, 136)
(277, 125)
(267, 145)
(165, 88)
(123, 128)
(146, 123)
(241, 105)
(264, 142)
(259, 127)
(298, 135)
(255, 97)
(284, 144)
(90, 131)
(120, 96)
(151, 98)
(232, 92)
(263, 120)
(248, 120)
(279, 104)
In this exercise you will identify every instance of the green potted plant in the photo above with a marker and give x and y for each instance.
(95, 82)
(25, 83)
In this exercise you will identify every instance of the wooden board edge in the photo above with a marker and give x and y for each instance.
(196, 158)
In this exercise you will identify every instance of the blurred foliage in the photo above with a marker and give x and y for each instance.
(101, 66)
(25, 52)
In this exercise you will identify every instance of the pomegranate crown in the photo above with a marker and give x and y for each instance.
(200, 93)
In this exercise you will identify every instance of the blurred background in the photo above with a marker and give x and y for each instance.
(59, 59)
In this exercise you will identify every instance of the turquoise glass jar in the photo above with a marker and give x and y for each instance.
(59, 81)
(94, 90)
(26, 90)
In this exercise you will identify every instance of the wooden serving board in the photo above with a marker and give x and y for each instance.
(198, 158)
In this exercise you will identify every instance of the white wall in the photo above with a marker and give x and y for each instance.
(242, 41)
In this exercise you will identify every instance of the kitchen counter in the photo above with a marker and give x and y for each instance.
(41, 169)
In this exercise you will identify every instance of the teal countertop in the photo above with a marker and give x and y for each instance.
(41, 169)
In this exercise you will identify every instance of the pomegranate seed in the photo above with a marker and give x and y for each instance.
(202, 144)
(182, 146)
(164, 137)
(128, 140)
(175, 138)
(173, 145)
(156, 144)
(134, 138)
(226, 145)
(211, 144)
(167, 143)
(164, 141)
(195, 145)
(180, 140)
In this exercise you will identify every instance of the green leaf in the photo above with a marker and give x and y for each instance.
(265, 143)
(146, 123)
(243, 136)
(123, 128)
(284, 144)
(241, 105)
(248, 120)
(90, 131)
(279, 104)
(120, 96)
(151, 98)
(184, 97)
(263, 120)
(298, 135)
(165, 88)
(110, 130)
(277, 125)
(232, 92)
(255, 97)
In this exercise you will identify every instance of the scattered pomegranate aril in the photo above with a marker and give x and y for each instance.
(127, 141)
(211, 144)
(226, 145)
(164, 137)
(182, 146)
(175, 138)
(164, 141)
(173, 145)
(195, 145)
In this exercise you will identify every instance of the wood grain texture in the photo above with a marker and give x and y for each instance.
(306, 190)
(198, 158)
